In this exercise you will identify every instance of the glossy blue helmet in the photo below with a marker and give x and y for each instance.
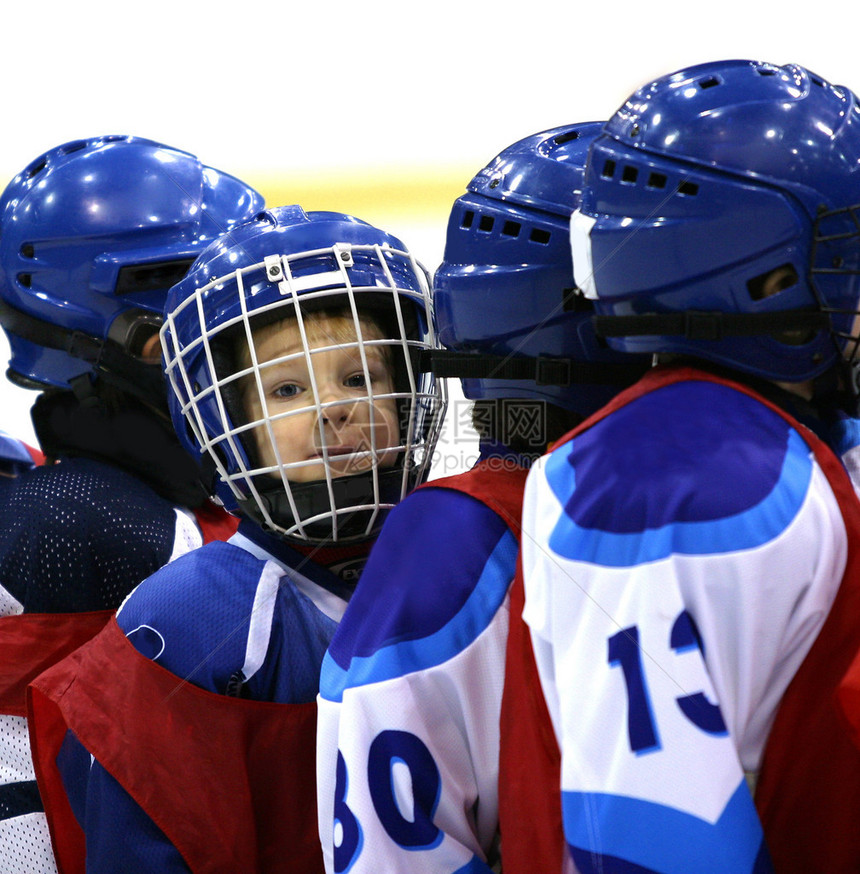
(92, 235)
(287, 268)
(721, 219)
(505, 299)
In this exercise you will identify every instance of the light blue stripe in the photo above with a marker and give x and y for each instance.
(560, 473)
(663, 839)
(747, 530)
(409, 656)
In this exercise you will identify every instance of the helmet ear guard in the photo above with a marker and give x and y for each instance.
(115, 363)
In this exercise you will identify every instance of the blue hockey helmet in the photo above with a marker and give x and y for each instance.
(287, 264)
(92, 235)
(720, 218)
(506, 305)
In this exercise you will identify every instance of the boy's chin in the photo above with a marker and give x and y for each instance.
(316, 472)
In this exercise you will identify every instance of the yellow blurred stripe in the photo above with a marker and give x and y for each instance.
(375, 195)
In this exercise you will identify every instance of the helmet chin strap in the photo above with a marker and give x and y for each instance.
(133, 377)
(110, 363)
(312, 500)
(699, 326)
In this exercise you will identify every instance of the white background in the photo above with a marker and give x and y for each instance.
(356, 106)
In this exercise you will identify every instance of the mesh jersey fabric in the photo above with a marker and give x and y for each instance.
(79, 535)
(75, 537)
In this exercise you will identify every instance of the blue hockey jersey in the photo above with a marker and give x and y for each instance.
(249, 619)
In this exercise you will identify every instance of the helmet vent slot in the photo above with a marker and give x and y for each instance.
(511, 229)
(73, 147)
(468, 218)
(629, 174)
(486, 223)
(27, 250)
(709, 82)
(539, 235)
(36, 169)
(150, 277)
(655, 179)
(561, 139)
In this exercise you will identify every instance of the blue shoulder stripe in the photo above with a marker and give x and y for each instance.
(623, 834)
(747, 529)
(408, 656)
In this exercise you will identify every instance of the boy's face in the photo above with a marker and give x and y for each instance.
(352, 428)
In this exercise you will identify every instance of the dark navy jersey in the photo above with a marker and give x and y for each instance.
(75, 537)
(79, 535)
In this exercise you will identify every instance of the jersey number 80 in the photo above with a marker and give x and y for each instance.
(389, 750)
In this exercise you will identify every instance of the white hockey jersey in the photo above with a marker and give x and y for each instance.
(679, 558)
(408, 739)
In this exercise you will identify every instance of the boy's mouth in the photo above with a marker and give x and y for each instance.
(336, 450)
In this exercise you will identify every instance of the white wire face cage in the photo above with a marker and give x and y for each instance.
(235, 346)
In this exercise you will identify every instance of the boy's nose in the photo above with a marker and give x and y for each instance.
(336, 415)
(336, 408)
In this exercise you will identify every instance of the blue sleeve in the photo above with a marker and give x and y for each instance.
(191, 617)
(195, 618)
(126, 839)
(423, 582)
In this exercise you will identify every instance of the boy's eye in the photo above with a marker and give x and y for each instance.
(287, 390)
(357, 380)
